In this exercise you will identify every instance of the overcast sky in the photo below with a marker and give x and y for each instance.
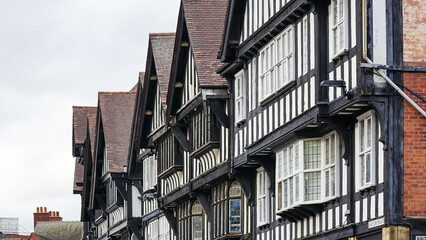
(55, 54)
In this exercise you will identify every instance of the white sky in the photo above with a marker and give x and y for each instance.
(55, 54)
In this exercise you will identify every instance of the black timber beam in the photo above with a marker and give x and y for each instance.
(202, 197)
(268, 163)
(133, 225)
(181, 137)
(100, 201)
(248, 183)
(168, 213)
(121, 190)
(220, 113)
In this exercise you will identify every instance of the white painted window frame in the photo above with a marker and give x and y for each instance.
(340, 25)
(283, 176)
(262, 197)
(360, 153)
(272, 61)
(240, 114)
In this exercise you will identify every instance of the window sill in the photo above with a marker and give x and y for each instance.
(301, 211)
(340, 54)
(366, 187)
(271, 97)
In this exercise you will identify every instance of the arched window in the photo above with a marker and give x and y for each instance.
(235, 208)
(197, 221)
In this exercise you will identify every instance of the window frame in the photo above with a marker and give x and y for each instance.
(272, 69)
(236, 198)
(371, 150)
(262, 195)
(197, 215)
(335, 26)
(240, 88)
(291, 173)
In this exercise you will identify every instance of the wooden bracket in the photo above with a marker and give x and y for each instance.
(168, 213)
(219, 111)
(121, 189)
(181, 137)
(268, 163)
(248, 183)
(202, 197)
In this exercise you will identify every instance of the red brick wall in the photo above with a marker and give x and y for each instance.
(415, 147)
(414, 23)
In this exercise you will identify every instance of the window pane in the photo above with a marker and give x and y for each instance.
(235, 215)
(333, 149)
(290, 193)
(285, 194)
(312, 154)
(312, 186)
(362, 158)
(369, 132)
(296, 157)
(235, 190)
(285, 163)
(280, 195)
(333, 181)
(296, 188)
(290, 163)
(327, 183)
(327, 151)
(197, 228)
(367, 168)
(362, 137)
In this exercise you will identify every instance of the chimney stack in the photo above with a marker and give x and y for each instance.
(40, 216)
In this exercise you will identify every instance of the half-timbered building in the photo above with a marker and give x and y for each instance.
(111, 195)
(84, 125)
(148, 124)
(198, 196)
(313, 119)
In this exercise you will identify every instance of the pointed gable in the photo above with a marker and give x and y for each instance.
(79, 137)
(162, 53)
(116, 110)
(205, 21)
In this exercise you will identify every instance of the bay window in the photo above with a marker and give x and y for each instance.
(276, 63)
(365, 132)
(262, 197)
(306, 172)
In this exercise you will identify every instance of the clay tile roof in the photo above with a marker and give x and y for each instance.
(80, 122)
(79, 136)
(162, 51)
(205, 20)
(78, 176)
(117, 115)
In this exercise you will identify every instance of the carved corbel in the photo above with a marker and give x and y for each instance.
(202, 197)
(382, 111)
(247, 180)
(343, 130)
(168, 213)
(268, 163)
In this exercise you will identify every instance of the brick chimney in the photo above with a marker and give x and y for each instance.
(55, 217)
(41, 215)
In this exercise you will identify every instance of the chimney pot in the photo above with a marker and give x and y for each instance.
(57, 214)
(50, 213)
(38, 209)
(45, 209)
